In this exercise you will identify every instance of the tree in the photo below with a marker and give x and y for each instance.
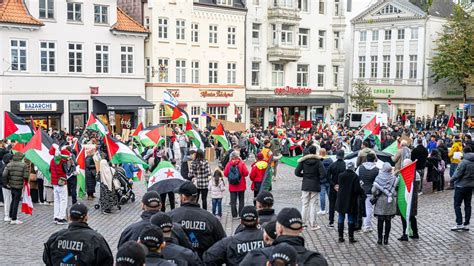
(454, 55)
(362, 96)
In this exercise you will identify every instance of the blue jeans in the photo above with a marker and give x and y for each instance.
(452, 169)
(322, 195)
(462, 194)
(217, 207)
(342, 217)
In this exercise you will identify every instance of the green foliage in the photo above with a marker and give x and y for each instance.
(362, 96)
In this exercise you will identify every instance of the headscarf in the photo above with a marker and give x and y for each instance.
(385, 181)
(106, 175)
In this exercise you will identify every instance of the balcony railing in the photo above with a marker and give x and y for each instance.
(283, 54)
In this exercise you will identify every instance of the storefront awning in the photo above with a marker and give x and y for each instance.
(124, 102)
(217, 104)
(307, 100)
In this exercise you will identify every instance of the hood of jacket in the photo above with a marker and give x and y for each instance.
(469, 157)
(310, 159)
(290, 240)
(261, 165)
(235, 161)
(369, 165)
(17, 156)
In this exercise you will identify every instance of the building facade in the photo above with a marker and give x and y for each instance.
(63, 59)
(196, 51)
(393, 43)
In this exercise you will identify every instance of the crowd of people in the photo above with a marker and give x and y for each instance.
(358, 190)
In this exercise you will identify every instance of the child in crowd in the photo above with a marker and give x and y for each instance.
(217, 188)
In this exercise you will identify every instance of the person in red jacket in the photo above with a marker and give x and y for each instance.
(257, 174)
(59, 182)
(236, 171)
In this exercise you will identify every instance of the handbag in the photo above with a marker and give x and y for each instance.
(62, 181)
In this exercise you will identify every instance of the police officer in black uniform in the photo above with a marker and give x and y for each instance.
(181, 256)
(232, 249)
(266, 213)
(289, 227)
(78, 244)
(130, 254)
(151, 204)
(202, 228)
(152, 238)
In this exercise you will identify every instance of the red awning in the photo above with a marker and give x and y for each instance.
(181, 105)
(217, 104)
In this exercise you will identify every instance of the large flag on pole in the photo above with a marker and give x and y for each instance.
(193, 134)
(219, 134)
(165, 178)
(392, 148)
(37, 151)
(150, 136)
(94, 123)
(178, 116)
(26, 202)
(121, 153)
(405, 191)
(137, 130)
(15, 128)
(450, 125)
(81, 176)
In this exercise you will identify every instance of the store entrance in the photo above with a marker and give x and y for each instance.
(46, 121)
(290, 115)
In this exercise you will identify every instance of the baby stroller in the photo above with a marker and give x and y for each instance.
(125, 193)
(108, 197)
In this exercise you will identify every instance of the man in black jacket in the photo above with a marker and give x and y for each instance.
(202, 228)
(367, 173)
(232, 249)
(152, 238)
(420, 154)
(334, 170)
(78, 244)
(151, 204)
(289, 227)
(266, 213)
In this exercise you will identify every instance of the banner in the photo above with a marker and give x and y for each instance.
(230, 126)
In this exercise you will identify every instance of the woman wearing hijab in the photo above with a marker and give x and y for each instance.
(384, 196)
(108, 198)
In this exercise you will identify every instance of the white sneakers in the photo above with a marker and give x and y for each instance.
(16, 222)
(7, 219)
(367, 229)
(315, 227)
(457, 227)
(322, 212)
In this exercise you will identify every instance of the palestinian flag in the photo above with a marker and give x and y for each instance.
(94, 123)
(81, 177)
(219, 134)
(296, 143)
(165, 178)
(150, 137)
(178, 116)
(77, 146)
(18, 147)
(267, 177)
(193, 134)
(137, 176)
(121, 153)
(16, 128)
(26, 202)
(450, 126)
(405, 191)
(37, 151)
(137, 130)
(392, 149)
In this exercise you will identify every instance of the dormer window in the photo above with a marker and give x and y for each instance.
(224, 2)
(389, 9)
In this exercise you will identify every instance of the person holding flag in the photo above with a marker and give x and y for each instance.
(407, 199)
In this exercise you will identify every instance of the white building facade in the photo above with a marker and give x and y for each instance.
(196, 51)
(61, 60)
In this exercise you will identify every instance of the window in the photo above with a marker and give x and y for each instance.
(231, 36)
(321, 7)
(389, 9)
(386, 66)
(255, 73)
(180, 71)
(48, 56)
(255, 33)
(321, 76)
(101, 58)
(401, 34)
(126, 54)
(399, 67)
(231, 73)
(337, 8)
(164, 118)
(336, 40)
(74, 12)
(363, 36)
(414, 33)
(219, 112)
(277, 75)
(75, 57)
(101, 14)
(195, 110)
(224, 2)
(303, 5)
(413, 66)
(274, 34)
(373, 66)
(46, 9)
(286, 35)
(375, 35)
(321, 39)
(163, 28)
(146, 23)
(303, 38)
(195, 72)
(213, 72)
(388, 35)
(302, 75)
(238, 113)
(283, 3)
(361, 66)
(335, 76)
(148, 69)
(180, 29)
(195, 32)
(213, 34)
(163, 69)
(256, 2)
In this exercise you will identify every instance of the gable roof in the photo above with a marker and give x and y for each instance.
(237, 4)
(401, 4)
(127, 24)
(15, 12)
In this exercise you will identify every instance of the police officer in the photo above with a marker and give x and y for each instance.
(266, 213)
(283, 254)
(151, 204)
(289, 227)
(78, 244)
(202, 228)
(269, 233)
(173, 252)
(152, 238)
(130, 254)
(232, 249)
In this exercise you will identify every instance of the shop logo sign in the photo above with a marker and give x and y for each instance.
(38, 107)
(293, 91)
(384, 91)
(222, 94)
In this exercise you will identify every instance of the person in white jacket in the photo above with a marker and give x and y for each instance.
(216, 188)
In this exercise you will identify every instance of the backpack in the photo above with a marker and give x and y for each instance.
(234, 175)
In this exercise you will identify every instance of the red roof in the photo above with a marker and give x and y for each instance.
(127, 23)
(15, 12)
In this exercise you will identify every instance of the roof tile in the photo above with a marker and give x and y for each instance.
(15, 12)
(127, 23)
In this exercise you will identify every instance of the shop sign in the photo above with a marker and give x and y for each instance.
(38, 107)
(218, 93)
(174, 93)
(454, 93)
(383, 91)
(293, 91)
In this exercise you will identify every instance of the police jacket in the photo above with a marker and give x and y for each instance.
(202, 228)
(132, 232)
(155, 259)
(264, 216)
(305, 257)
(232, 249)
(77, 245)
(179, 255)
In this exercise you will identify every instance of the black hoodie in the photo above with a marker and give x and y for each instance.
(311, 169)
